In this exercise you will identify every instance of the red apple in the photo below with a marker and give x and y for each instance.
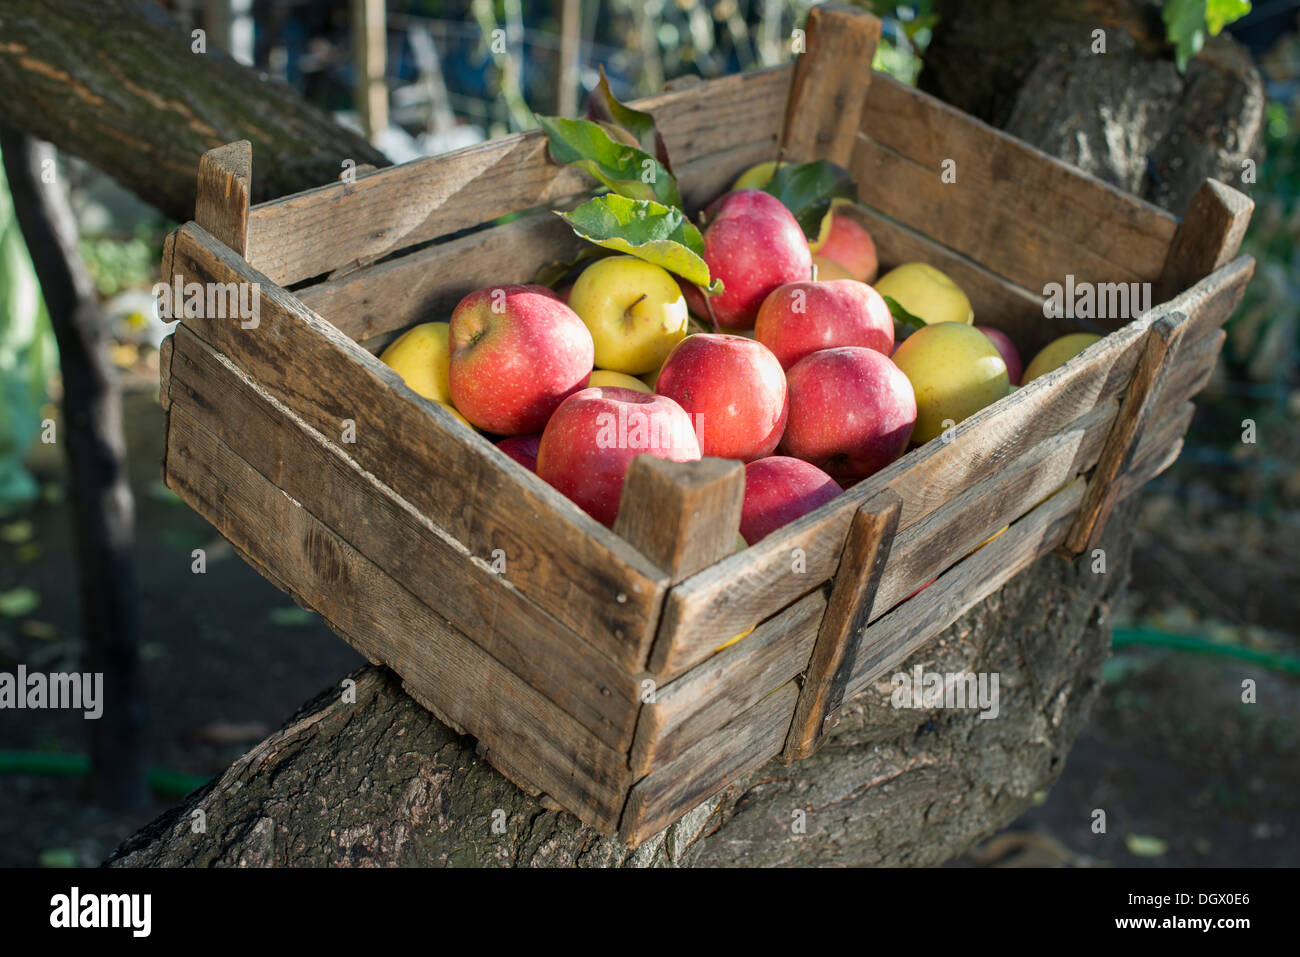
(523, 449)
(778, 489)
(735, 390)
(753, 244)
(850, 245)
(851, 412)
(594, 435)
(801, 318)
(1007, 348)
(516, 354)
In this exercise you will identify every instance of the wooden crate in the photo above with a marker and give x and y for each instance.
(587, 668)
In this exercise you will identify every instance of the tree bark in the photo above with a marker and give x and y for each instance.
(116, 82)
(380, 782)
(102, 508)
(1125, 115)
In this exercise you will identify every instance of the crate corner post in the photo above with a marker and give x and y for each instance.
(225, 182)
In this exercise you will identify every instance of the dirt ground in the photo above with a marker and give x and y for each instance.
(1186, 773)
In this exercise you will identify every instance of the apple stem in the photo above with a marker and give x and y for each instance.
(635, 302)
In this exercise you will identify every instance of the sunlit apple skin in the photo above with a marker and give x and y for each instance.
(851, 246)
(801, 318)
(828, 270)
(779, 489)
(753, 244)
(635, 311)
(594, 435)
(421, 356)
(522, 448)
(619, 380)
(735, 389)
(510, 369)
(1007, 348)
(955, 371)
(851, 412)
(1056, 354)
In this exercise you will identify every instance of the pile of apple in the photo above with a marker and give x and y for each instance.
(802, 380)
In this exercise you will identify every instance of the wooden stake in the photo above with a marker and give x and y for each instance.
(221, 206)
(1208, 237)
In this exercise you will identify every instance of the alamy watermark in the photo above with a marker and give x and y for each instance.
(635, 429)
(931, 689)
(209, 300)
(1095, 300)
(58, 690)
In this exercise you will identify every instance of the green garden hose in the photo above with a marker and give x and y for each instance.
(165, 783)
(1123, 637)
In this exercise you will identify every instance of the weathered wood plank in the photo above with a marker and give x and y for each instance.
(564, 561)
(744, 745)
(359, 601)
(1116, 455)
(714, 692)
(830, 84)
(866, 550)
(1207, 238)
(165, 372)
(225, 183)
(315, 232)
(390, 533)
(739, 591)
(683, 516)
(1021, 213)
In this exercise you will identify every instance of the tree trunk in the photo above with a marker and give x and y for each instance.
(1125, 115)
(382, 782)
(118, 83)
(102, 509)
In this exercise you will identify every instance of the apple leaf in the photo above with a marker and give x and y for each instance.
(605, 109)
(904, 322)
(808, 189)
(1219, 13)
(625, 169)
(651, 231)
(1184, 28)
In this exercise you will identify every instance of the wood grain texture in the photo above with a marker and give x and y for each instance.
(740, 591)
(1021, 213)
(541, 744)
(683, 516)
(830, 84)
(744, 745)
(1134, 410)
(564, 561)
(861, 565)
(225, 184)
(165, 372)
(315, 232)
(1208, 237)
(393, 535)
(714, 692)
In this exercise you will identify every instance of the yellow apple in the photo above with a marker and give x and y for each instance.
(1057, 353)
(955, 371)
(618, 380)
(828, 269)
(926, 293)
(452, 409)
(756, 177)
(421, 357)
(634, 310)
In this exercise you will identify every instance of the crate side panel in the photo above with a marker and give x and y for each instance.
(565, 562)
(391, 534)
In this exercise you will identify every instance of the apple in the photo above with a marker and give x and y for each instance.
(827, 269)
(926, 293)
(850, 245)
(634, 309)
(801, 318)
(955, 371)
(591, 440)
(620, 380)
(779, 489)
(756, 177)
(753, 244)
(421, 356)
(522, 448)
(1007, 349)
(735, 389)
(1057, 353)
(516, 354)
(851, 412)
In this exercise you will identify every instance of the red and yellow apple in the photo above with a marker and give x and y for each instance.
(590, 442)
(522, 448)
(848, 244)
(735, 390)
(779, 489)
(801, 318)
(753, 244)
(955, 371)
(1007, 349)
(516, 354)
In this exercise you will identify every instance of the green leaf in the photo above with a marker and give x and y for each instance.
(807, 190)
(648, 230)
(1185, 28)
(1145, 845)
(18, 602)
(904, 322)
(1219, 13)
(605, 108)
(625, 169)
